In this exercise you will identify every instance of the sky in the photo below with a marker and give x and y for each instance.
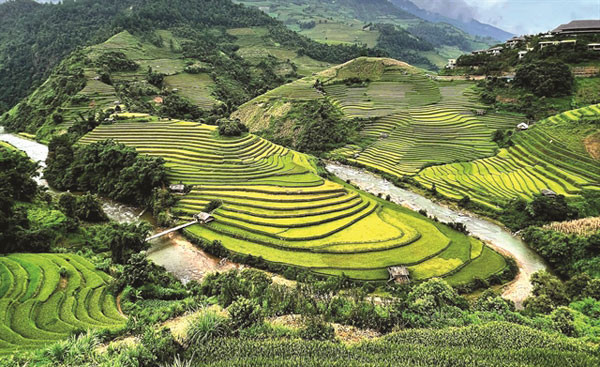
(517, 16)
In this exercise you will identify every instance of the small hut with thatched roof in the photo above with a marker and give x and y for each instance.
(399, 274)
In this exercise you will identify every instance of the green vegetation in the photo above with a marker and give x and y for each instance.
(312, 127)
(545, 79)
(107, 168)
(42, 303)
(550, 155)
(374, 23)
(276, 207)
(569, 254)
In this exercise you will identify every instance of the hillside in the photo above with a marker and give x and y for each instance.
(34, 38)
(403, 113)
(375, 23)
(170, 73)
(277, 208)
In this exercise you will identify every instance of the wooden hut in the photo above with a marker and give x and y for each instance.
(399, 274)
(549, 193)
(203, 218)
(177, 188)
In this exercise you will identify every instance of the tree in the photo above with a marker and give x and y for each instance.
(90, 209)
(126, 239)
(545, 78)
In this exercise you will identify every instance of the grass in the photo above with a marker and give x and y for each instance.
(38, 307)
(276, 206)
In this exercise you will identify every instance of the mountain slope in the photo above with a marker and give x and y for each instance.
(34, 37)
(471, 26)
(376, 23)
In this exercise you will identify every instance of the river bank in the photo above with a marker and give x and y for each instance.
(491, 233)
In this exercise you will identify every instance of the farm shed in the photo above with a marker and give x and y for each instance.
(177, 188)
(522, 126)
(203, 218)
(399, 274)
(548, 193)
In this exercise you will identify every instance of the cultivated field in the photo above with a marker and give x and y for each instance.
(276, 206)
(550, 155)
(410, 120)
(46, 297)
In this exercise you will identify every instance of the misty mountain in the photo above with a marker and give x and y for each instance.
(459, 17)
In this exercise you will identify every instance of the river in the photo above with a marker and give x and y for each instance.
(494, 235)
(179, 256)
(187, 262)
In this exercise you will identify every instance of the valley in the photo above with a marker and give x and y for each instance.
(192, 183)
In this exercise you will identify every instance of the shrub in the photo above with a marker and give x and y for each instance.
(317, 329)
(244, 313)
(231, 127)
(213, 205)
(208, 325)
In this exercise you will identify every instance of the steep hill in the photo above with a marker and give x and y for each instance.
(376, 23)
(187, 71)
(35, 37)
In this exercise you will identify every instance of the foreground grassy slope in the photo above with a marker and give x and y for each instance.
(39, 306)
(493, 344)
(551, 155)
(410, 120)
(276, 206)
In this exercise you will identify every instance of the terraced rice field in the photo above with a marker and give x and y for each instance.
(276, 206)
(550, 155)
(38, 306)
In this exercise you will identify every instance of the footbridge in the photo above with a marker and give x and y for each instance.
(200, 218)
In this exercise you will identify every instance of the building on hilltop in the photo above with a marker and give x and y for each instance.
(545, 44)
(593, 46)
(578, 27)
(513, 42)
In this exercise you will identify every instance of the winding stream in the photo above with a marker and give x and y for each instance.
(187, 262)
(494, 235)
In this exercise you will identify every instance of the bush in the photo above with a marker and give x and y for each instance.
(231, 127)
(244, 313)
(213, 205)
(208, 325)
(317, 329)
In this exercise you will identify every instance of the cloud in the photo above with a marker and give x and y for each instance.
(457, 9)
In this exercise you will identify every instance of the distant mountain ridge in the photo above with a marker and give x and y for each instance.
(472, 26)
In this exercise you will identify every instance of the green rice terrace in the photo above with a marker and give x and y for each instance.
(410, 119)
(276, 206)
(45, 297)
(550, 155)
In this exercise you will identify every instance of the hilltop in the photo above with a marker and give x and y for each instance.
(400, 113)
